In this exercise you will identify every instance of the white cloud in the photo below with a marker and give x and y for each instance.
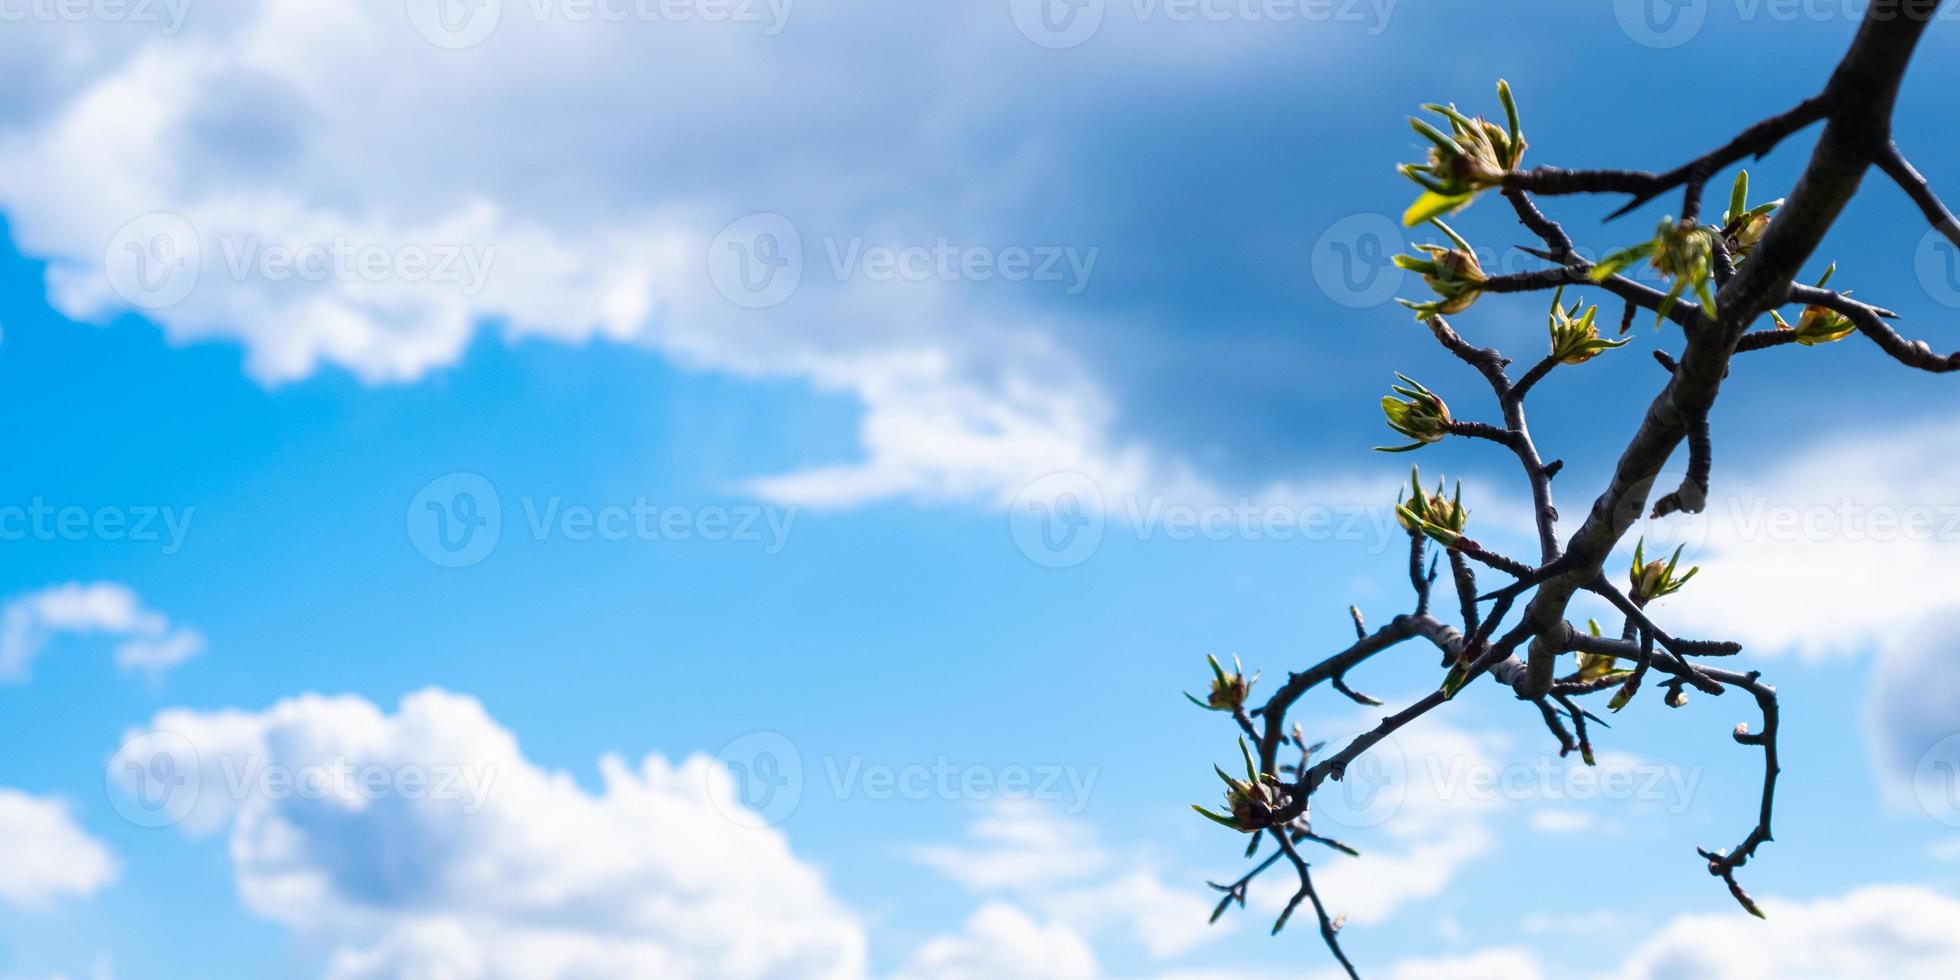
(1494, 964)
(1059, 867)
(1017, 844)
(1408, 805)
(1596, 922)
(557, 158)
(1003, 941)
(1893, 931)
(1561, 821)
(44, 855)
(1843, 549)
(1141, 908)
(148, 641)
(1832, 552)
(470, 862)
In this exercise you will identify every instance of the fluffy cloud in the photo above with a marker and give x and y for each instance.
(1408, 805)
(148, 641)
(1842, 550)
(1871, 516)
(327, 188)
(1003, 941)
(1893, 931)
(44, 855)
(1060, 868)
(423, 844)
(1880, 931)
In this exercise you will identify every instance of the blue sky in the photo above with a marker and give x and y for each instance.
(811, 565)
